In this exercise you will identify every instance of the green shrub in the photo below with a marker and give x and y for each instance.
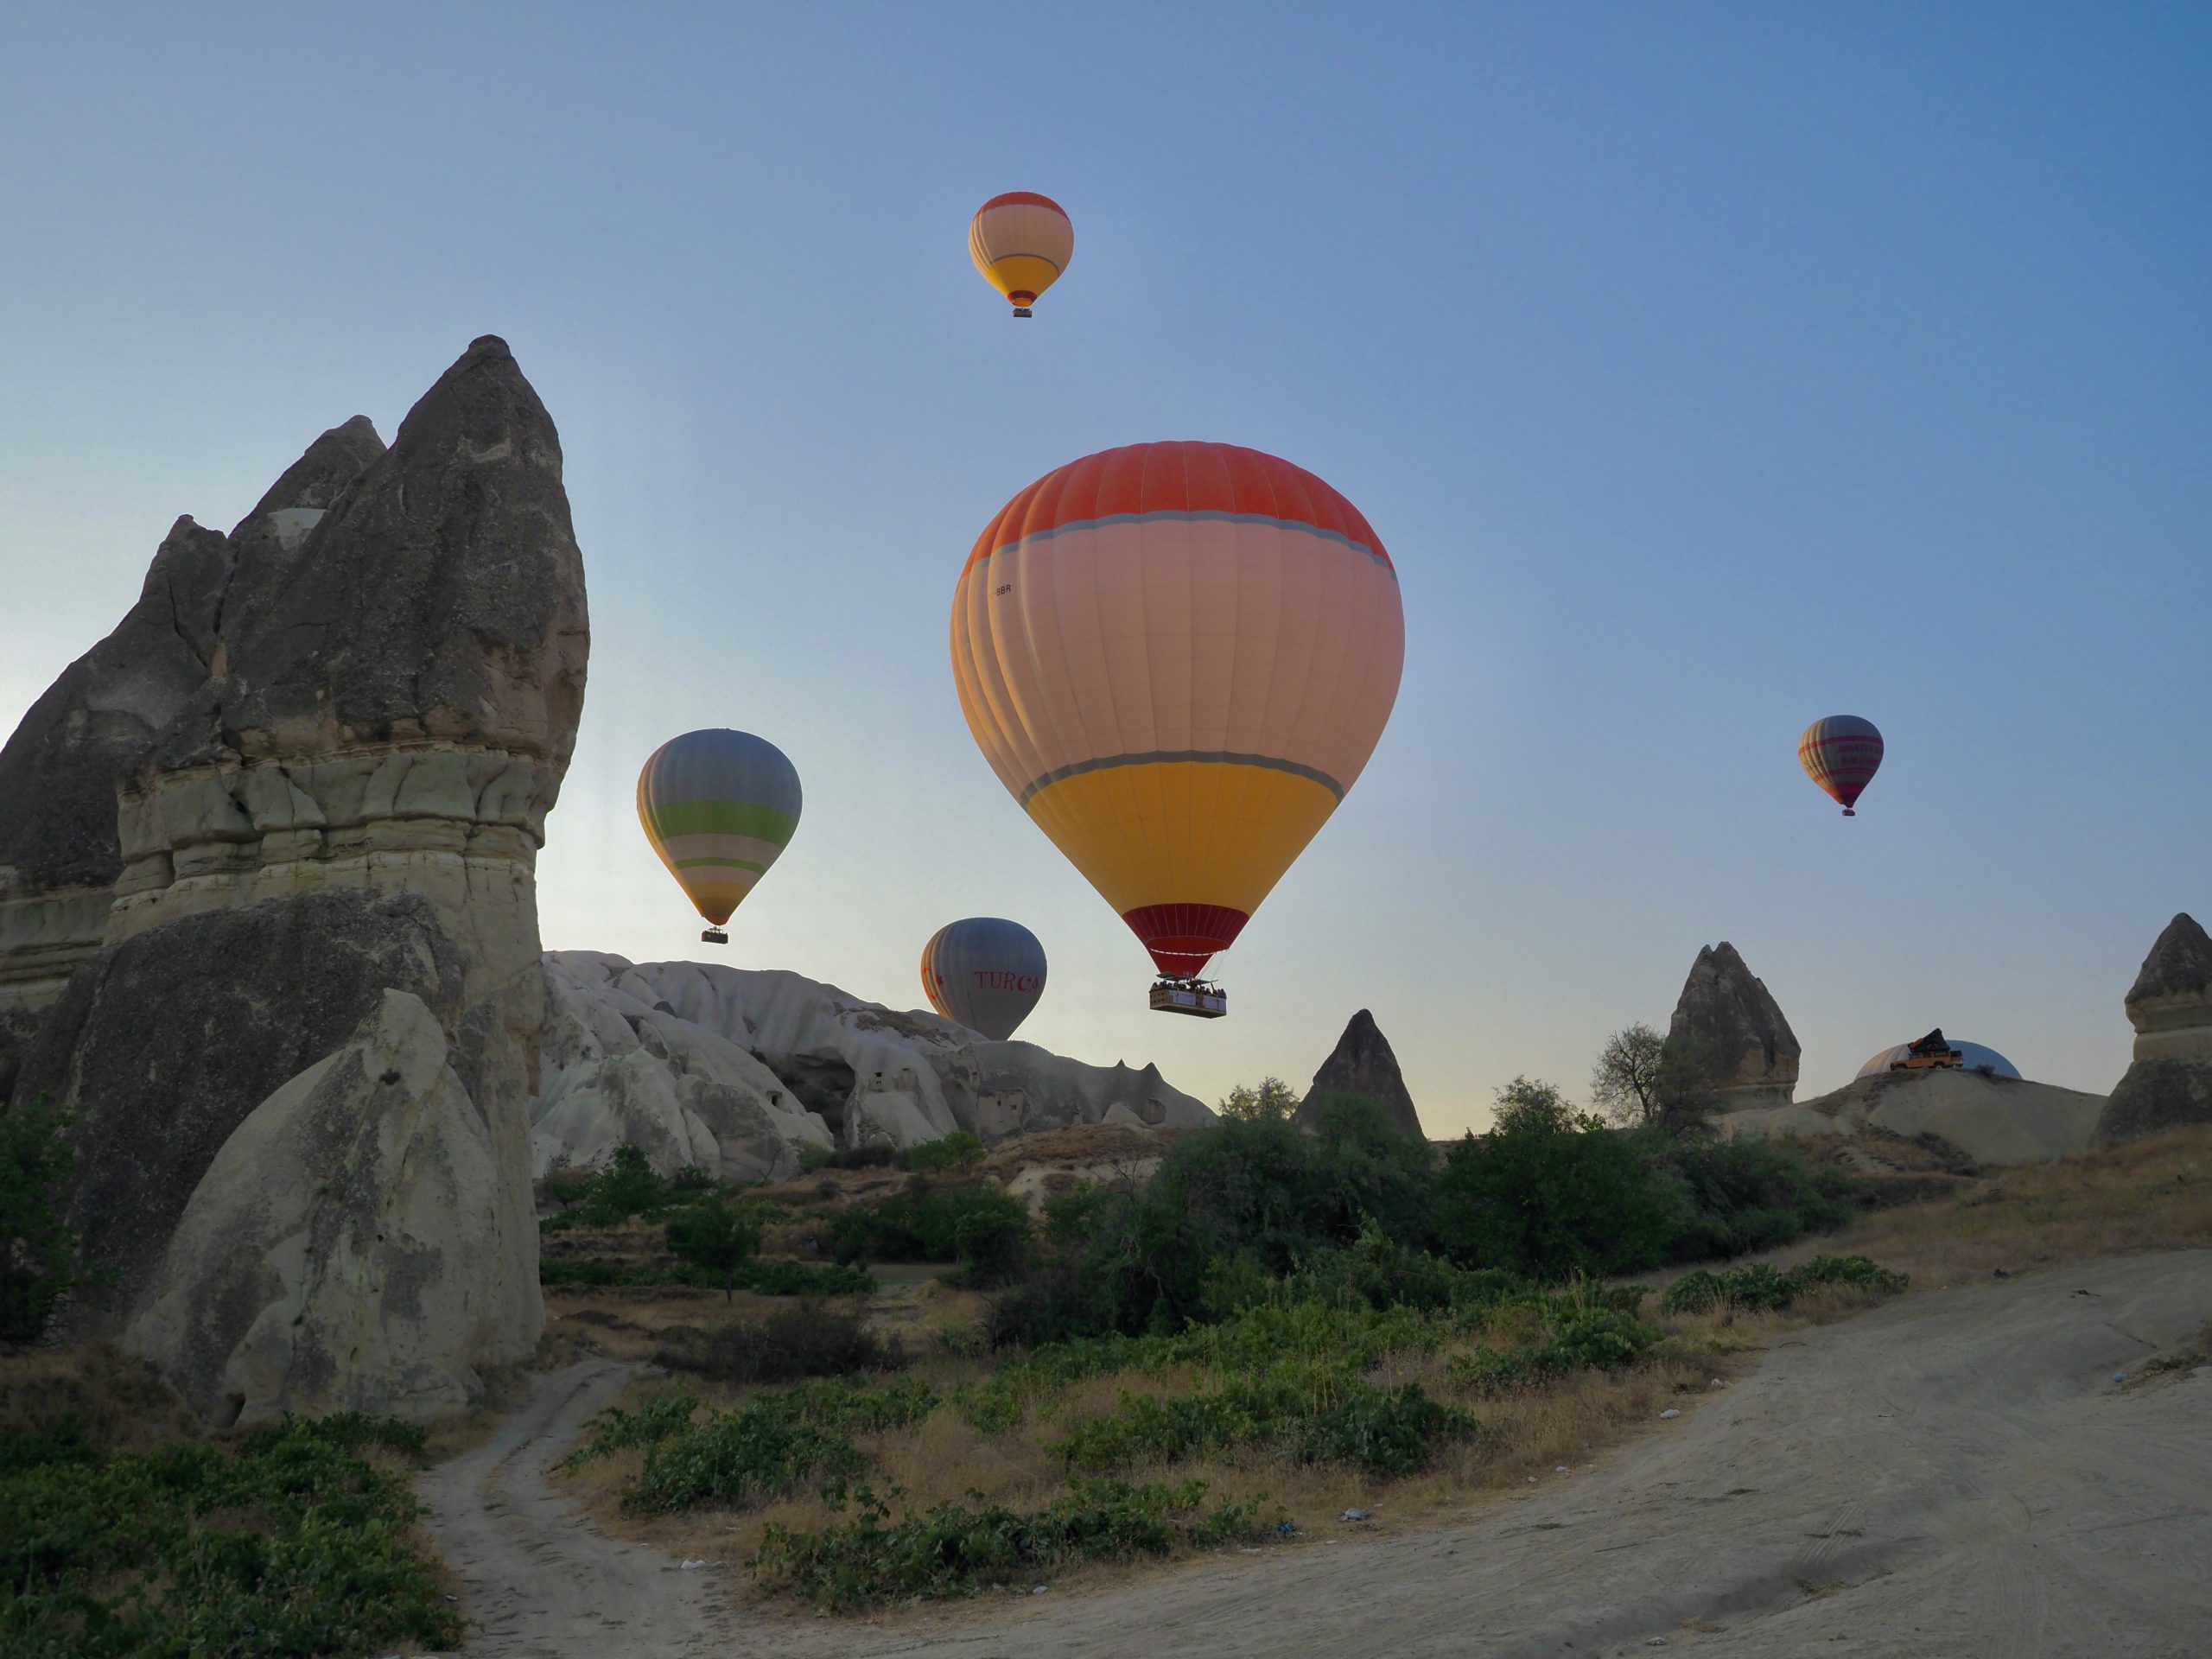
(1756, 1287)
(717, 1238)
(38, 1249)
(617, 1430)
(739, 1459)
(1552, 1201)
(959, 1150)
(293, 1544)
(1735, 1198)
(807, 1340)
(923, 1224)
(955, 1550)
(1311, 1416)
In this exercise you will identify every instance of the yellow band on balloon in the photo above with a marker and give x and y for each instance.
(1022, 273)
(1192, 832)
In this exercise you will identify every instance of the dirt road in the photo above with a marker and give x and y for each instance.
(1952, 1475)
(540, 1583)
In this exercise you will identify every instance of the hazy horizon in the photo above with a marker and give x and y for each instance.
(1704, 372)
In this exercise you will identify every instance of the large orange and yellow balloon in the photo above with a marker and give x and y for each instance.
(1021, 242)
(1178, 656)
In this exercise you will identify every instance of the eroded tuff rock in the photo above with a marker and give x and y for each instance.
(62, 771)
(1734, 1030)
(347, 799)
(739, 1072)
(1361, 1063)
(348, 1244)
(2169, 1084)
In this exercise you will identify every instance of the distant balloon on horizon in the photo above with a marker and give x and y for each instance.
(1177, 657)
(1021, 242)
(718, 808)
(1841, 753)
(985, 973)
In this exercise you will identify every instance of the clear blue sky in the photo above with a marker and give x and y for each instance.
(1706, 369)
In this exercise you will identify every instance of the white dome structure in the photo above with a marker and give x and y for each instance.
(1978, 1058)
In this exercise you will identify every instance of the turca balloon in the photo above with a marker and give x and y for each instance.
(719, 807)
(1177, 657)
(1021, 242)
(984, 973)
(1841, 754)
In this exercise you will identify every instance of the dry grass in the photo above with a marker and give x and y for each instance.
(2155, 1195)
(119, 1402)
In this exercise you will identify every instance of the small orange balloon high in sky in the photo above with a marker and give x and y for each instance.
(1021, 242)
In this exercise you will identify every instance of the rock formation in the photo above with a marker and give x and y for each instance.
(1361, 1063)
(327, 744)
(1992, 1119)
(739, 1072)
(1732, 1029)
(2168, 1084)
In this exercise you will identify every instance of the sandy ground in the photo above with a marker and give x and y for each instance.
(1954, 1474)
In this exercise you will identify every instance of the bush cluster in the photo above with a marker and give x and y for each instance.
(773, 1445)
(1551, 1195)
(1757, 1286)
(38, 1248)
(978, 1226)
(808, 1340)
(956, 1549)
(295, 1543)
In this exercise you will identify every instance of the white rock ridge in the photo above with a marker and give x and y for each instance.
(737, 1071)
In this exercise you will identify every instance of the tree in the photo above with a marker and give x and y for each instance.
(717, 1236)
(1645, 1080)
(1526, 1103)
(1625, 1082)
(38, 1249)
(1272, 1101)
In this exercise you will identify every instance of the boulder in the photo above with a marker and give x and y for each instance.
(739, 1072)
(387, 663)
(1361, 1063)
(1731, 1029)
(2169, 1084)
(347, 1250)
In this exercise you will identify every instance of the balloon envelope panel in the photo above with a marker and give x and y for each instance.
(1179, 658)
(719, 808)
(985, 973)
(1841, 754)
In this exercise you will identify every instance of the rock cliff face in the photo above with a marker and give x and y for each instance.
(2169, 1084)
(1733, 1029)
(1361, 1063)
(739, 1072)
(1992, 1119)
(327, 744)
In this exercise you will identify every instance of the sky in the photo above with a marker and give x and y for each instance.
(1704, 368)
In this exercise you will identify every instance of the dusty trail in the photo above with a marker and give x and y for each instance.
(1951, 1475)
(539, 1581)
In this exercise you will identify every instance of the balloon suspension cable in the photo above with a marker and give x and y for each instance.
(715, 936)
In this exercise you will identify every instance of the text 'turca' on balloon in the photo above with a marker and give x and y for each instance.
(985, 973)
(1179, 658)
(1021, 242)
(719, 808)
(1841, 754)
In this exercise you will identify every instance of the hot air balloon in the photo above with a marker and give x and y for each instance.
(984, 973)
(719, 807)
(1021, 242)
(1841, 754)
(1177, 657)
